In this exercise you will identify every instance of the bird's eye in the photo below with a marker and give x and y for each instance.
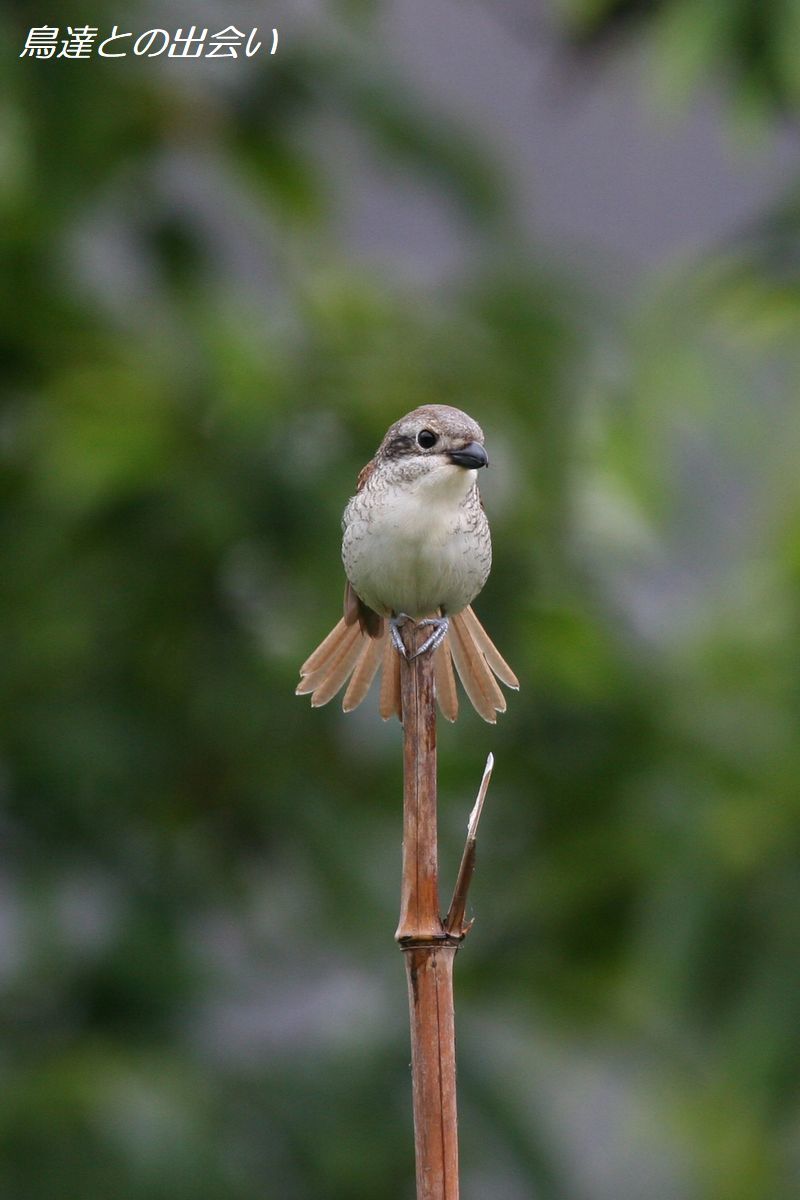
(427, 438)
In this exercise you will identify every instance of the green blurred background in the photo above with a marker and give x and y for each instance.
(221, 282)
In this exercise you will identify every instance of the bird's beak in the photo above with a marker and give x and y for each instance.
(472, 455)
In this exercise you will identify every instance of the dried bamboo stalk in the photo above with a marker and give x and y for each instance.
(428, 943)
(419, 893)
(433, 1068)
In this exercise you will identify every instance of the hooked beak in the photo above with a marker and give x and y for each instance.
(472, 455)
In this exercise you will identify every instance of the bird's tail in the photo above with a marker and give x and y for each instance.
(348, 653)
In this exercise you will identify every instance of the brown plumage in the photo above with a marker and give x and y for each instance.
(416, 543)
(350, 652)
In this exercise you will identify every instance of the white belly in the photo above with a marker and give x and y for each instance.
(416, 551)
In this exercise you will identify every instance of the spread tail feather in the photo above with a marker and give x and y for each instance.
(488, 649)
(473, 671)
(445, 681)
(365, 671)
(327, 658)
(350, 652)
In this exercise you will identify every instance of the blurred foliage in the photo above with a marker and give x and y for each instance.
(201, 998)
(745, 44)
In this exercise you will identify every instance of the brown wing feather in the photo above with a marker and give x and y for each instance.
(364, 474)
(356, 610)
(351, 603)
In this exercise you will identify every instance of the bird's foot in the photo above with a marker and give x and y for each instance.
(440, 628)
(394, 626)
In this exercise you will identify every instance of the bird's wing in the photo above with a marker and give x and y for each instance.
(355, 609)
(364, 474)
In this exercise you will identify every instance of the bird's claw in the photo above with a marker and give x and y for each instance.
(394, 626)
(440, 628)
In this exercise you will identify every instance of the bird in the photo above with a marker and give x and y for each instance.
(416, 546)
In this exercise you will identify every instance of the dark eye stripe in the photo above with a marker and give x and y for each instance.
(400, 446)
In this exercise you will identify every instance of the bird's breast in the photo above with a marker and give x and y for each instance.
(416, 551)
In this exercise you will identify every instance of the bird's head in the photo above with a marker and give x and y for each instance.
(435, 443)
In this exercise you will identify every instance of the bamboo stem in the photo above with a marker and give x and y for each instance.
(430, 945)
(419, 894)
(429, 970)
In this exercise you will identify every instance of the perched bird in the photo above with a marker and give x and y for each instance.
(416, 545)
